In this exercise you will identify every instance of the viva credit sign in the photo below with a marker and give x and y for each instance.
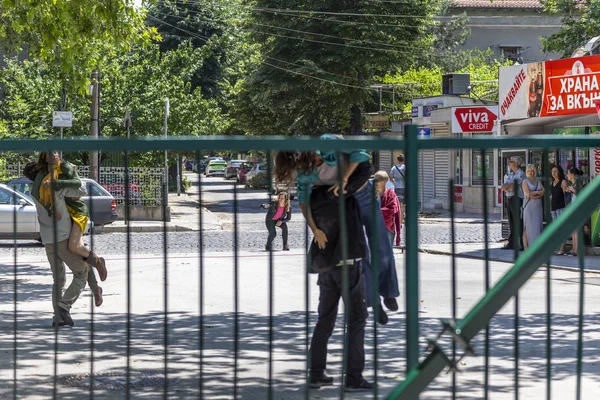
(474, 119)
(551, 88)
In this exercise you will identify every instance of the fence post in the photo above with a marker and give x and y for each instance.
(412, 243)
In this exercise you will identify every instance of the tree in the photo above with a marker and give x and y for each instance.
(424, 82)
(71, 35)
(579, 24)
(140, 79)
(318, 59)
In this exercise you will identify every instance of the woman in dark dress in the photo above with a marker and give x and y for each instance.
(280, 212)
(557, 201)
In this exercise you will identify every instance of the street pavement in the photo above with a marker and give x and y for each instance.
(35, 340)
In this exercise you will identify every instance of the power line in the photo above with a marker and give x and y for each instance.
(390, 50)
(287, 11)
(264, 62)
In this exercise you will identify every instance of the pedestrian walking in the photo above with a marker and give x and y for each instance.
(66, 178)
(55, 228)
(573, 175)
(533, 214)
(515, 201)
(280, 212)
(557, 199)
(398, 178)
(390, 207)
(328, 260)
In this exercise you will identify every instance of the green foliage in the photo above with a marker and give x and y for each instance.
(72, 35)
(579, 22)
(425, 82)
(301, 86)
(141, 80)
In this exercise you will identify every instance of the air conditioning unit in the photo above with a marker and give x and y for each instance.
(456, 84)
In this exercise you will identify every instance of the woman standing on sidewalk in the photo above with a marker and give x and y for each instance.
(573, 176)
(533, 216)
(280, 212)
(557, 201)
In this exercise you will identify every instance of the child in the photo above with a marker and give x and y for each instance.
(279, 213)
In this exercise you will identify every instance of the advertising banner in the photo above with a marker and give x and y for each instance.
(551, 88)
(476, 119)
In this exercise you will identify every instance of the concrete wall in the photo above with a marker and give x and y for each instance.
(144, 213)
(473, 200)
(511, 27)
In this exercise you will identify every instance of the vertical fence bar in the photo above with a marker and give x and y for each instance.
(548, 219)
(57, 290)
(453, 276)
(128, 242)
(307, 295)
(374, 247)
(92, 305)
(580, 257)
(166, 291)
(517, 240)
(345, 275)
(201, 279)
(486, 256)
(236, 288)
(270, 188)
(15, 285)
(412, 243)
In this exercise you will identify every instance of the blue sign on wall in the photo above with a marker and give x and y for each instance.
(414, 112)
(424, 133)
(427, 109)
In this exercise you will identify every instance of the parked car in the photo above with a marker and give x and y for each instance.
(12, 201)
(292, 189)
(232, 168)
(243, 170)
(103, 210)
(215, 167)
(258, 167)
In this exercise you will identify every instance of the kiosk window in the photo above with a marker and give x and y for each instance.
(481, 167)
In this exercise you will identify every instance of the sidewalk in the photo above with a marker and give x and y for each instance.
(459, 218)
(35, 345)
(496, 253)
(184, 218)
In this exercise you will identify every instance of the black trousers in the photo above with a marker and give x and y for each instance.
(514, 206)
(273, 233)
(330, 291)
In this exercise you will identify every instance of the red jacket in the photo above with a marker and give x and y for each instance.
(390, 208)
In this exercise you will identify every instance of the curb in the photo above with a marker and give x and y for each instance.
(496, 259)
(141, 229)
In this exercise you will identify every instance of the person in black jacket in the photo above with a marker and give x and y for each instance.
(280, 212)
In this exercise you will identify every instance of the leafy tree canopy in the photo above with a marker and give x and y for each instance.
(579, 24)
(424, 82)
(318, 58)
(71, 34)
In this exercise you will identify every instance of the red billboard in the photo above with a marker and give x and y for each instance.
(551, 88)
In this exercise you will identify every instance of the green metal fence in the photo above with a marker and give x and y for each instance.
(461, 330)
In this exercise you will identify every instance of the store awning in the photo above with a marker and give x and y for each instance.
(545, 125)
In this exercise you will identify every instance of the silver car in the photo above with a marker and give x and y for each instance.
(14, 202)
(101, 204)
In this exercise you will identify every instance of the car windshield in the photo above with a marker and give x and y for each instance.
(236, 163)
(218, 164)
(262, 167)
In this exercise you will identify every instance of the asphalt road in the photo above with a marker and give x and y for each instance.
(218, 197)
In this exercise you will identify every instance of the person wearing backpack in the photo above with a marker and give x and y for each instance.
(397, 177)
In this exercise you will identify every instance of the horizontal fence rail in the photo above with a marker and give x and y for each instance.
(198, 329)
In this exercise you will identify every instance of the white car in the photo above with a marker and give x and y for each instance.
(215, 167)
(28, 227)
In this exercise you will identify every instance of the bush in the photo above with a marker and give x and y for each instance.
(259, 181)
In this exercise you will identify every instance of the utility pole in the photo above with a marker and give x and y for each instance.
(63, 104)
(94, 124)
(166, 156)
